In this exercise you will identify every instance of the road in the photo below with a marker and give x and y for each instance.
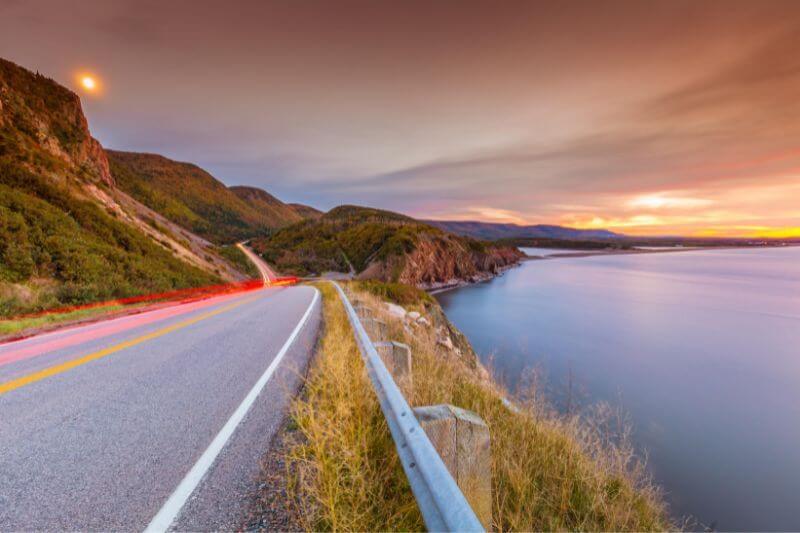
(267, 274)
(152, 420)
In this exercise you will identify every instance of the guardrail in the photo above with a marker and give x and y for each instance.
(441, 502)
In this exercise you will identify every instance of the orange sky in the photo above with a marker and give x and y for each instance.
(657, 117)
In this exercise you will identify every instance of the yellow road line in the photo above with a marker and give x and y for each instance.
(9, 386)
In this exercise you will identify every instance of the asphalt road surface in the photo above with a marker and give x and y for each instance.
(155, 420)
(267, 274)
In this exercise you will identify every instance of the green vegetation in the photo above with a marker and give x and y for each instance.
(549, 472)
(306, 211)
(47, 232)
(346, 235)
(30, 96)
(277, 213)
(397, 293)
(355, 236)
(191, 197)
(239, 260)
(12, 326)
(58, 244)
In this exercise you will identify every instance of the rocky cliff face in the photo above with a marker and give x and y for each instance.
(443, 261)
(375, 244)
(47, 150)
(39, 116)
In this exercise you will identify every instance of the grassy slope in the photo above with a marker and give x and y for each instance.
(58, 245)
(346, 233)
(239, 259)
(193, 198)
(350, 235)
(549, 472)
(278, 213)
(306, 211)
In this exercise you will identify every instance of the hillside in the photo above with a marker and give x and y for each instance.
(194, 199)
(306, 211)
(67, 236)
(495, 231)
(277, 213)
(376, 244)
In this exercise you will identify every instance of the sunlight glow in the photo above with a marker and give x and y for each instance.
(88, 83)
(662, 200)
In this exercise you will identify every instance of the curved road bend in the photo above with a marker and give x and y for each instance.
(267, 274)
(154, 419)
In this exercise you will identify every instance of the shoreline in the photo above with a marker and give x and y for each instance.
(589, 253)
(457, 284)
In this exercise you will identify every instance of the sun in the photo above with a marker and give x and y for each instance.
(88, 83)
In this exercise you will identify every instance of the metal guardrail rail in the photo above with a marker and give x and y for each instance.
(443, 505)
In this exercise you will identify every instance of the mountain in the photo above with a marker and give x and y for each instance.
(376, 244)
(194, 199)
(495, 231)
(68, 235)
(276, 212)
(306, 211)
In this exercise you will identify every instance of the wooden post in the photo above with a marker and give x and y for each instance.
(376, 329)
(462, 440)
(397, 358)
(364, 312)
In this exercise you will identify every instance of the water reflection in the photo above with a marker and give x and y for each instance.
(702, 347)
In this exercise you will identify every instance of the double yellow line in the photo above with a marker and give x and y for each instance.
(14, 384)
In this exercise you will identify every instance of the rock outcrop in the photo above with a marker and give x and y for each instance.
(441, 262)
(38, 114)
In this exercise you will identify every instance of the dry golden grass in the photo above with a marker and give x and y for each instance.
(549, 472)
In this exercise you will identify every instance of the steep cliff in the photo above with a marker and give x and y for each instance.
(67, 234)
(44, 128)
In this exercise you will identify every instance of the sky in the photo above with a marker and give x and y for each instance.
(644, 117)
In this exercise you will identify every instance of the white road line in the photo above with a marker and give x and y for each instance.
(171, 509)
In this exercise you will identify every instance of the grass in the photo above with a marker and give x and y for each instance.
(550, 472)
(346, 471)
(397, 293)
(237, 257)
(12, 326)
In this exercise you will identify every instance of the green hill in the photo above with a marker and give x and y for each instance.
(382, 245)
(194, 199)
(63, 238)
(277, 213)
(306, 211)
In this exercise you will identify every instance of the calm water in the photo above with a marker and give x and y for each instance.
(702, 348)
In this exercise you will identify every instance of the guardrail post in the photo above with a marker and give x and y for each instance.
(376, 329)
(364, 312)
(397, 358)
(439, 498)
(462, 439)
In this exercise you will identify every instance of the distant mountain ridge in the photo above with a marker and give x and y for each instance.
(495, 231)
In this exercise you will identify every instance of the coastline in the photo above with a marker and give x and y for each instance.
(457, 284)
(589, 253)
